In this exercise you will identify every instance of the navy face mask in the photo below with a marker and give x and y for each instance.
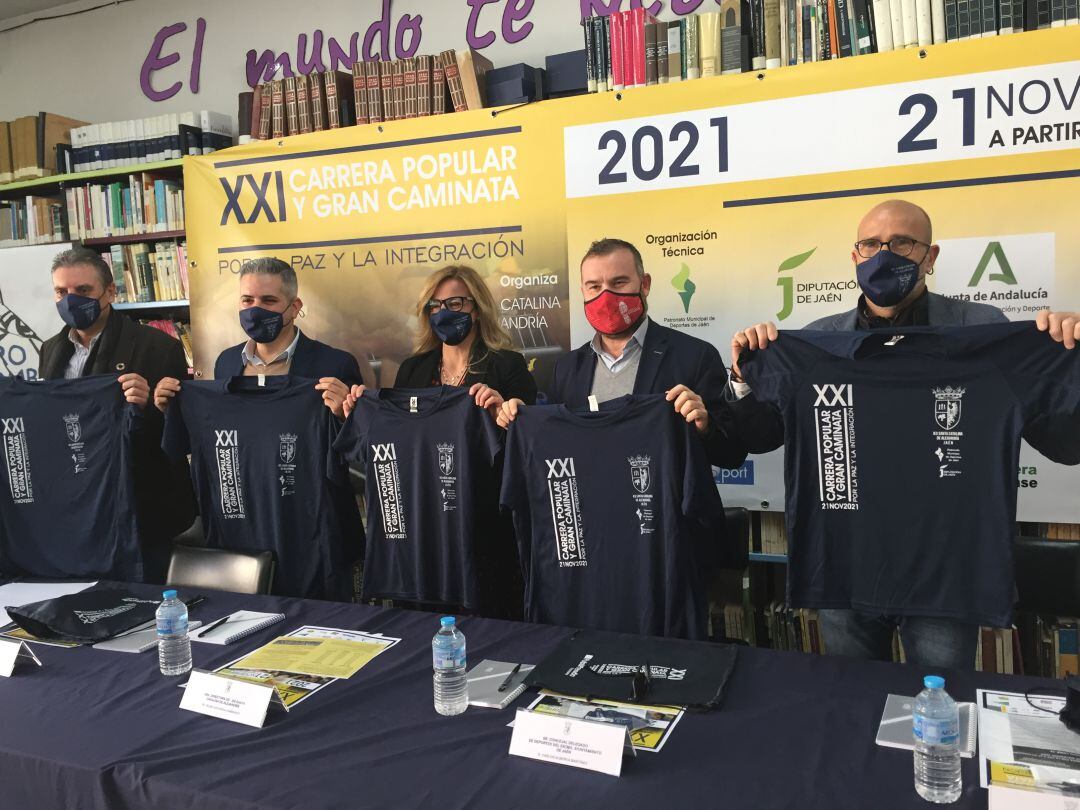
(262, 325)
(887, 279)
(78, 311)
(451, 327)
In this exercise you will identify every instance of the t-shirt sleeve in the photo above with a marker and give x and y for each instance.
(337, 470)
(1043, 375)
(774, 372)
(175, 440)
(700, 500)
(492, 436)
(350, 441)
(512, 494)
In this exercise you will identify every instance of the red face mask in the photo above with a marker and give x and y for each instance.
(611, 313)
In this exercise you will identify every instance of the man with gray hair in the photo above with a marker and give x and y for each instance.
(96, 340)
(269, 306)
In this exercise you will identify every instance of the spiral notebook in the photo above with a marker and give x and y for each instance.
(240, 624)
(895, 729)
(486, 678)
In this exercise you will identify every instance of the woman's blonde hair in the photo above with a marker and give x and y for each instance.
(489, 331)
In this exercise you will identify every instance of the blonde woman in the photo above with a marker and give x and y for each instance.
(460, 342)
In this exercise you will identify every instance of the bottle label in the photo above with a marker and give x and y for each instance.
(936, 732)
(448, 659)
(172, 626)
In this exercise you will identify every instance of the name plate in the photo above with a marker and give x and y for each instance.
(11, 653)
(570, 741)
(228, 698)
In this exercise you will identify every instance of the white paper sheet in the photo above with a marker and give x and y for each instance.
(1011, 729)
(17, 594)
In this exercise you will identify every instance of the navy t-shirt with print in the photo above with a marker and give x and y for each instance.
(902, 457)
(67, 502)
(429, 454)
(267, 479)
(611, 509)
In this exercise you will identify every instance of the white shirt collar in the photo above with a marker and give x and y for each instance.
(637, 341)
(252, 359)
(78, 343)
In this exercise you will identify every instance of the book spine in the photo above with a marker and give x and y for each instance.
(409, 81)
(590, 53)
(453, 81)
(910, 22)
(963, 21)
(772, 34)
(791, 54)
(1072, 11)
(423, 86)
(374, 93)
(924, 25)
(674, 48)
(990, 18)
(1057, 13)
(398, 76)
(843, 32)
(693, 65)
(661, 52)
(651, 73)
(278, 95)
(937, 20)
(303, 105)
(618, 27)
(636, 45)
(360, 93)
(757, 34)
(290, 106)
(606, 64)
(438, 86)
(863, 38)
(386, 85)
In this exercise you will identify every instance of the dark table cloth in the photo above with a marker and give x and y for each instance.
(103, 730)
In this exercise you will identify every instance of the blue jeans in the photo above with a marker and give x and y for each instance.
(931, 643)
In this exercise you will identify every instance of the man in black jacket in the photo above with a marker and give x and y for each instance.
(97, 340)
(269, 306)
(632, 354)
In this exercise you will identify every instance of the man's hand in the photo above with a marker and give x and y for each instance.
(354, 394)
(690, 406)
(167, 388)
(334, 393)
(508, 412)
(487, 398)
(136, 389)
(1064, 327)
(756, 337)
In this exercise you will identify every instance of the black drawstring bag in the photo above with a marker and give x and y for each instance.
(637, 669)
(86, 617)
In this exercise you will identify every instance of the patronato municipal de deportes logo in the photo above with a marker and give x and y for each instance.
(684, 286)
(787, 283)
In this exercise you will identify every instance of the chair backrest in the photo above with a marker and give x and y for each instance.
(1047, 575)
(237, 571)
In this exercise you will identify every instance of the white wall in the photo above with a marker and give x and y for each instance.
(88, 66)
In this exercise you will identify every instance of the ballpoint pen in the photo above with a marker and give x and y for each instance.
(506, 684)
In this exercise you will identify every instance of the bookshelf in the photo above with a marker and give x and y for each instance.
(757, 556)
(62, 180)
(133, 238)
(143, 306)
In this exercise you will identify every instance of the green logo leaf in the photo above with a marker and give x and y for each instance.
(680, 279)
(795, 261)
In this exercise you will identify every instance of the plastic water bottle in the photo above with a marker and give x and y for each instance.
(936, 720)
(174, 646)
(448, 659)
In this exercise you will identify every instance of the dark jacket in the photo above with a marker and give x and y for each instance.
(668, 358)
(503, 369)
(165, 502)
(313, 359)
(1057, 438)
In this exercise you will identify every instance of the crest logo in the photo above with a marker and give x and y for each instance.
(639, 473)
(287, 448)
(446, 458)
(73, 427)
(947, 403)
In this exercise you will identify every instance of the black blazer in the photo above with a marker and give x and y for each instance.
(668, 358)
(504, 370)
(165, 502)
(312, 359)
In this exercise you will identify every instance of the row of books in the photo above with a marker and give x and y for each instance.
(28, 145)
(777, 626)
(415, 87)
(168, 136)
(31, 220)
(633, 49)
(143, 203)
(144, 272)
(181, 330)
(1051, 531)
(768, 533)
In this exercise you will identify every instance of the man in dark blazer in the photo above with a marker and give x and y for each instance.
(892, 257)
(97, 340)
(632, 354)
(269, 305)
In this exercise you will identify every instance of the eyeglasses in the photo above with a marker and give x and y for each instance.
(900, 245)
(455, 303)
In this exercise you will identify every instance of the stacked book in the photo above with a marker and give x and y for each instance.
(149, 272)
(29, 146)
(141, 203)
(374, 92)
(181, 330)
(31, 221)
(168, 136)
(768, 533)
(634, 49)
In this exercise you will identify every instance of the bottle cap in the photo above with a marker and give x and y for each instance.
(446, 621)
(169, 594)
(933, 682)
